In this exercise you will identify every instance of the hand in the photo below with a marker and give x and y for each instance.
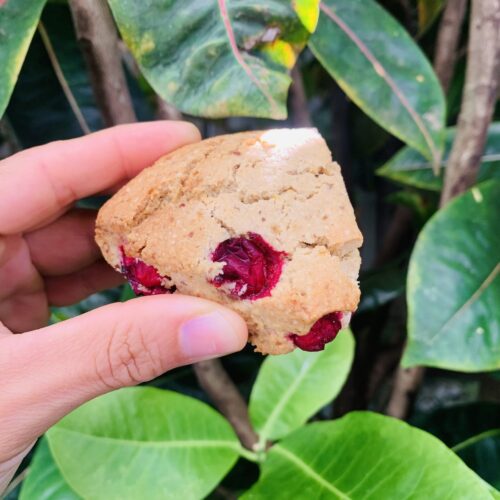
(48, 257)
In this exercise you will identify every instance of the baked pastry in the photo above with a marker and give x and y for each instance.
(257, 221)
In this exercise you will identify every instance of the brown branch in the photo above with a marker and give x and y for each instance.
(98, 39)
(165, 110)
(225, 395)
(298, 101)
(478, 100)
(406, 383)
(445, 54)
(11, 142)
(481, 86)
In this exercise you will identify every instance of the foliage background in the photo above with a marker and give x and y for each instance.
(387, 163)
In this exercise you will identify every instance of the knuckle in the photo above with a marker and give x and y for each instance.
(127, 358)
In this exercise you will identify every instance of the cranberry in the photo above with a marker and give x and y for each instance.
(143, 278)
(252, 267)
(322, 332)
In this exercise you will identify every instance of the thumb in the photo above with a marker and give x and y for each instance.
(48, 372)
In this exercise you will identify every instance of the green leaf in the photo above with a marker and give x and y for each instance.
(143, 443)
(453, 289)
(365, 455)
(308, 12)
(428, 11)
(382, 70)
(44, 480)
(292, 388)
(411, 168)
(217, 58)
(380, 287)
(482, 454)
(458, 423)
(18, 20)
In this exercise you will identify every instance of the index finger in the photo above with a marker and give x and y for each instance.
(37, 183)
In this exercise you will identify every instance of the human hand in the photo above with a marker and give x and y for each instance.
(48, 257)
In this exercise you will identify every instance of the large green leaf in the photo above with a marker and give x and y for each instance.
(217, 58)
(364, 455)
(18, 20)
(44, 480)
(143, 443)
(382, 70)
(292, 388)
(453, 289)
(409, 167)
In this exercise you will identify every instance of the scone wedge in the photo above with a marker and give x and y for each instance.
(257, 221)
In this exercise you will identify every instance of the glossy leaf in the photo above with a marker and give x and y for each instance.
(380, 287)
(292, 388)
(44, 480)
(428, 11)
(143, 443)
(411, 168)
(18, 21)
(482, 454)
(453, 289)
(382, 70)
(308, 12)
(365, 455)
(217, 58)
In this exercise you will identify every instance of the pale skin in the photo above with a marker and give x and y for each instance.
(48, 257)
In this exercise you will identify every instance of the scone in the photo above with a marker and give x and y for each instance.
(257, 221)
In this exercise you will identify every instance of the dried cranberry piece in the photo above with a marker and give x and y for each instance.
(322, 332)
(252, 267)
(143, 278)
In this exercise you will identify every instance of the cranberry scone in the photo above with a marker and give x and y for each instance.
(257, 221)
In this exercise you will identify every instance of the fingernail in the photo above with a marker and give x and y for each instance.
(209, 336)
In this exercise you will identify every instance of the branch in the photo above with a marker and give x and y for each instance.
(165, 111)
(450, 27)
(225, 395)
(481, 86)
(98, 39)
(62, 79)
(478, 100)
(406, 383)
(11, 142)
(298, 101)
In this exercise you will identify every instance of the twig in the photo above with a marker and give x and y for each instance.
(8, 135)
(480, 91)
(216, 382)
(298, 101)
(481, 86)
(15, 483)
(450, 27)
(165, 110)
(98, 39)
(62, 79)
(406, 383)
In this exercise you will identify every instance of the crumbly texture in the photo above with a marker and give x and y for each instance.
(281, 184)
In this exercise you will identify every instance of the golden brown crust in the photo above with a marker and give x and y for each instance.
(281, 184)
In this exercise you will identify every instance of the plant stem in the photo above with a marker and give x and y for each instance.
(474, 439)
(225, 395)
(481, 86)
(249, 455)
(98, 39)
(62, 79)
(15, 483)
(450, 27)
(298, 101)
